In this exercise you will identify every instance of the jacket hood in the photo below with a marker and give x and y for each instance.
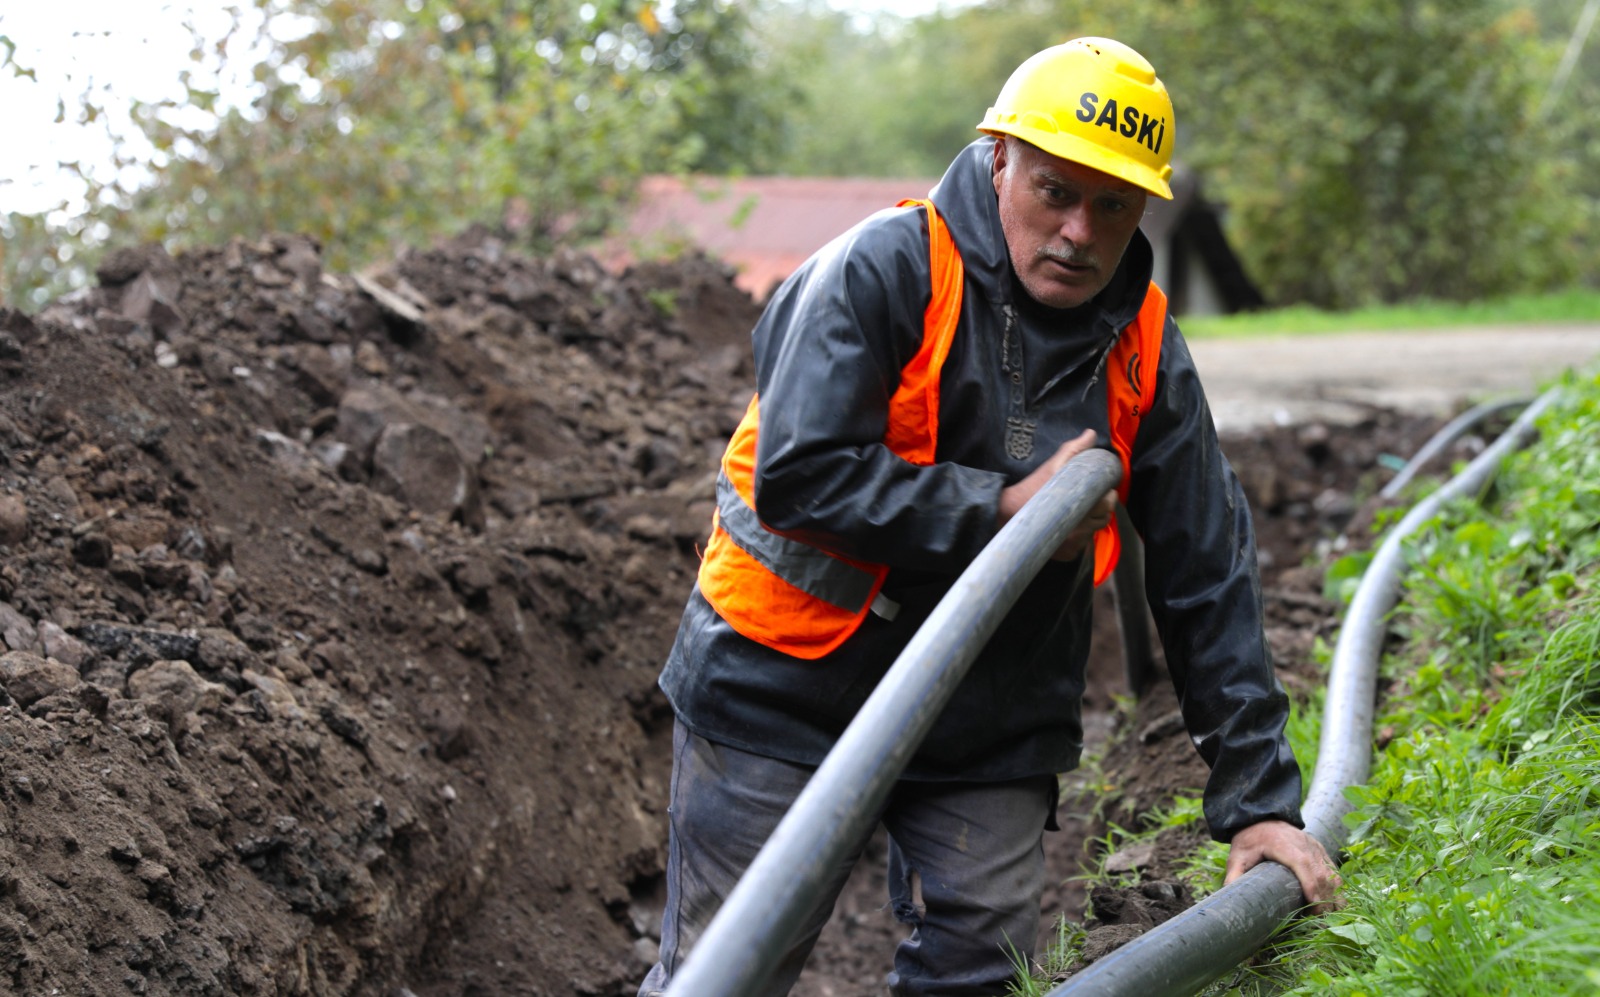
(966, 200)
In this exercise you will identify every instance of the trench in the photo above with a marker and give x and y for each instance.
(421, 751)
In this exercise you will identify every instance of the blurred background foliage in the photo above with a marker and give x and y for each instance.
(1369, 151)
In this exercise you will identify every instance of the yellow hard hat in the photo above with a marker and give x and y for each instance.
(1092, 101)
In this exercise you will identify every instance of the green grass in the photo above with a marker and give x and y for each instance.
(1474, 861)
(1578, 305)
(1473, 866)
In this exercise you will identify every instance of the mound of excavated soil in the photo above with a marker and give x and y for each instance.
(332, 609)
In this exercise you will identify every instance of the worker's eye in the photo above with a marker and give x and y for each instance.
(1113, 205)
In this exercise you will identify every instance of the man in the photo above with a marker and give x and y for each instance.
(919, 379)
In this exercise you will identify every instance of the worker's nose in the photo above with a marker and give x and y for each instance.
(1077, 226)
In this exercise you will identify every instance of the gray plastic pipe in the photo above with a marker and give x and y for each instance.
(839, 806)
(1133, 609)
(1447, 434)
(1181, 956)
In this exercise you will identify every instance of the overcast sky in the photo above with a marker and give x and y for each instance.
(122, 50)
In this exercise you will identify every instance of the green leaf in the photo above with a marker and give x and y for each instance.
(1359, 933)
(1342, 577)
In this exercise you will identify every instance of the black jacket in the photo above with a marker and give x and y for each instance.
(1020, 380)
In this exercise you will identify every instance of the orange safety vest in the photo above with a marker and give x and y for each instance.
(805, 601)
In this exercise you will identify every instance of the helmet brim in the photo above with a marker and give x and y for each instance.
(1077, 150)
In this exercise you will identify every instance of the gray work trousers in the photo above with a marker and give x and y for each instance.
(975, 850)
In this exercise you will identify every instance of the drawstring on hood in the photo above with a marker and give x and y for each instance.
(1100, 364)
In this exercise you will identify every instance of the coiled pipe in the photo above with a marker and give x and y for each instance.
(840, 803)
(1181, 956)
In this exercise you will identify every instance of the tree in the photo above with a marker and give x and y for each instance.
(378, 123)
(1566, 108)
(1365, 152)
(390, 121)
(26, 258)
(887, 96)
(1372, 151)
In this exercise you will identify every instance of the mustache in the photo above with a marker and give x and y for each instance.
(1071, 255)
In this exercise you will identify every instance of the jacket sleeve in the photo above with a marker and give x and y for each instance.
(829, 349)
(1205, 594)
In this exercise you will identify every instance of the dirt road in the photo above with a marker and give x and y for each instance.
(1336, 378)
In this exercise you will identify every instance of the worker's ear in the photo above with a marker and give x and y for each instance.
(1001, 146)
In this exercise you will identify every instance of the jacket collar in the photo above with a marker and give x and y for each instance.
(966, 200)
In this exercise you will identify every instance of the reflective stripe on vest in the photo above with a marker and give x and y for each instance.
(789, 595)
(809, 569)
(805, 601)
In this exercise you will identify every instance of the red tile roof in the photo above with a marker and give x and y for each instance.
(764, 226)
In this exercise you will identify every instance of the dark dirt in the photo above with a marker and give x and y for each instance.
(332, 609)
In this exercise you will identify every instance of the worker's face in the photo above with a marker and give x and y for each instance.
(1066, 225)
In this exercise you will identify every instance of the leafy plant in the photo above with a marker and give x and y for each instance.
(1472, 865)
(1062, 952)
(1343, 576)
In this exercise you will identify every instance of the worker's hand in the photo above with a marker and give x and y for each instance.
(1282, 842)
(1013, 497)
